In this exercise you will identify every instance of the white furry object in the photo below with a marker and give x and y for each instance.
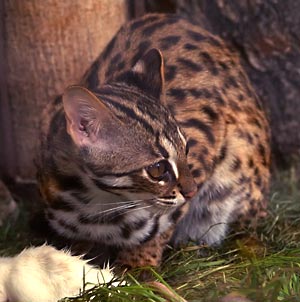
(45, 274)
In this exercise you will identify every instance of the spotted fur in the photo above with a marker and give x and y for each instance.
(163, 91)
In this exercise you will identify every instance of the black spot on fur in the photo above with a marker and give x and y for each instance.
(215, 94)
(223, 153)
(245, 136)
(236, 165)
(204, 150)
(170, 72)
(209, 62)
(262, 152)
(109, 48)
(196, 173)
(176, 215)
(223, 65)
(196, 36)
(258, 181)
(244, 180)
(189, 46)
(206, 93)
(113, 65)
(168, 42)
(189, 64)
(205, 129)
(177, 93)
(197, 93)
(233, 82)
(234, 105)
(241, 97)
(191, 143)
(213, 116)
(205, 166)
(254, 121)
(213, 41)
(138, 225)
(250, 162)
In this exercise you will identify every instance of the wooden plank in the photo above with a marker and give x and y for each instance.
(49, 44)
(8, 160)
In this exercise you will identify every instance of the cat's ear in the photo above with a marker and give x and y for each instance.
(150, 69)
(86, 115)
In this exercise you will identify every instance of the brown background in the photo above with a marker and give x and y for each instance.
(46, 45)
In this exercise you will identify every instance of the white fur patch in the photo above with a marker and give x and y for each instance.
(181, 136)
(164, 223)
(173, 156)
(44, 274)
(174, 167)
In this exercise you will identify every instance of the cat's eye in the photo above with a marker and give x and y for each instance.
(158, 170)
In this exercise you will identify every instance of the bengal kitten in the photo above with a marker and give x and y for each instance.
(164, 124)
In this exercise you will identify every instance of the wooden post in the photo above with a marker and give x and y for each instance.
(45, 46)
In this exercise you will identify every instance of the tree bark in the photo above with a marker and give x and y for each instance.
(46, 45)
(267, 35)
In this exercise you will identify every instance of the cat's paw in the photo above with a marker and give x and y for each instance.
(46, 274)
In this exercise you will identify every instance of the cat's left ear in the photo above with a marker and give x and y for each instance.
(150, 69)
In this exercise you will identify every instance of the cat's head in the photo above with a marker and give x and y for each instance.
(127, 139)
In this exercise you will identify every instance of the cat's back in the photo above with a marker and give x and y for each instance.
(187, 49)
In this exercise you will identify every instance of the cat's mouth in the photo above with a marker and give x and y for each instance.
(169, 201)
(166, 202)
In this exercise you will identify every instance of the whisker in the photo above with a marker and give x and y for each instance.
(121, 202)
(122, 207)
(138, 208)
(130, 211)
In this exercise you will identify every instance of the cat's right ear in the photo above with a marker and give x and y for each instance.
(86, 115)
(150, 69)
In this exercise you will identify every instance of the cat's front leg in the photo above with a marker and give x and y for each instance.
(147, 254)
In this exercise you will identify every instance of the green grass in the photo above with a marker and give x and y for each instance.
(258, 266)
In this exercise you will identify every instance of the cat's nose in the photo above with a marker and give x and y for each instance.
(189, 194)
